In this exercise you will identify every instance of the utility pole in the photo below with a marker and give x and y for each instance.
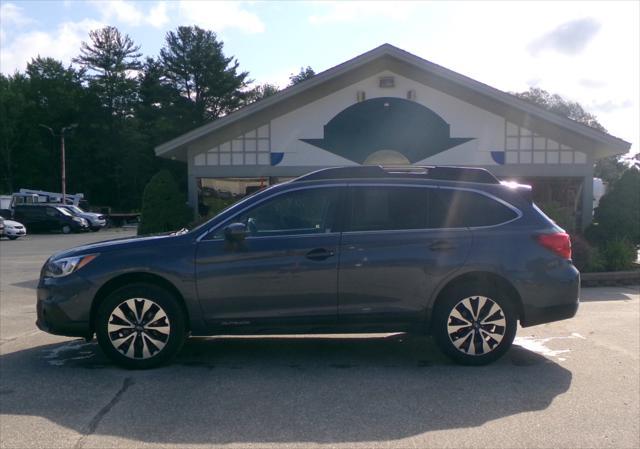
(62, 156)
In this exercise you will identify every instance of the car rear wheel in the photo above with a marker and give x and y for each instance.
(140, 326)
(474, 325)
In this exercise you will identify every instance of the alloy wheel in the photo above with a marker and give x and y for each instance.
(138, 328)
(476, 325)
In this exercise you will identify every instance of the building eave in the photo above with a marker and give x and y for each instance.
(176, 148)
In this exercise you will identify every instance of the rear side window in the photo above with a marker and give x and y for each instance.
(388, 208)
(460, 209)
(31, 212)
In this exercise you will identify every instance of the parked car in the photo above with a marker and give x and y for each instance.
(11, 229)
(444, 251)
(39, 218)
(96, 221)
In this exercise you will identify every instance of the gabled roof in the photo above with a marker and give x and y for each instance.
(389, 54)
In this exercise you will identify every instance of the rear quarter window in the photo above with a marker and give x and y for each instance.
(450, 208)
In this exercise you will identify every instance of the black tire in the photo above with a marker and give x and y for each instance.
(147, 347)
(66, 229)
(484, 334)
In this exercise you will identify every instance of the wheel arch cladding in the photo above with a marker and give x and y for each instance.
(136, 278)
(482, 279)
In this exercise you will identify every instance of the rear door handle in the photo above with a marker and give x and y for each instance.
(319, 254)
(442, 245)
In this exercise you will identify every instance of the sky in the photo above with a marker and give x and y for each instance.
(587, 52)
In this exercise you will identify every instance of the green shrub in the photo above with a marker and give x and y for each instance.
(585, 257)
(163, 206)
(618, 255)
(581, 251)
(596, 262)
(618, 214)
(562, 216)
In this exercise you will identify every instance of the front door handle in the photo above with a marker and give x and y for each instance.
(442, 245)
(319, 254)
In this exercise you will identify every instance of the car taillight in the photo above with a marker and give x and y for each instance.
(558, 242)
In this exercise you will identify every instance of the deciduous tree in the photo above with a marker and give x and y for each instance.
(303, 75)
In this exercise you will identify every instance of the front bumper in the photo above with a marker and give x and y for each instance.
(64, 306)
(98, 224)
(52, 319)
(9, 232)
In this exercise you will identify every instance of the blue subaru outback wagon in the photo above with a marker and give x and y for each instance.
(446, 251)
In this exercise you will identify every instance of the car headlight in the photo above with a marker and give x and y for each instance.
(63, 267)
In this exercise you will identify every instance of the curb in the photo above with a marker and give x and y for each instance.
(610, 278)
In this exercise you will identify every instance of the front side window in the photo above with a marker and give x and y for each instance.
(388, 208)
(309, 211)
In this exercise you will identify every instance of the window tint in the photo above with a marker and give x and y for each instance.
(32, 212)
(388, 208)
(309, 211)
(460, 208)
(51, 212)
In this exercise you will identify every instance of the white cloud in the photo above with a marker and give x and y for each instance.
(11, 14)
(133, 14)
(350, 11)
(157, 16)
(569, 38)
(11, 18)
(494, 50)
(63, 44)
(120, 11)
(220, 15)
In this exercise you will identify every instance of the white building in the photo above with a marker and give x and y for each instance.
(388, 106)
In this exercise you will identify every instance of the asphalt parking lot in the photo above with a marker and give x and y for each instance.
(569, 384)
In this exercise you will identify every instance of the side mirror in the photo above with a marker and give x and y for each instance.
(235, 232)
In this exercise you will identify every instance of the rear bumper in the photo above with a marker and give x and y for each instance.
(552, 297)
(540, 315)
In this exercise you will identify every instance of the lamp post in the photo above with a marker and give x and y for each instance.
(62, 155)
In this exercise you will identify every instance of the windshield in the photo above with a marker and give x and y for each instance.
(64, 211)
(75, 209)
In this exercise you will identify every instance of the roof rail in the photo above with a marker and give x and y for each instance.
(446, 173)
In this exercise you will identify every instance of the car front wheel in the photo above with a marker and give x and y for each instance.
(140, 326)
(474, 325)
